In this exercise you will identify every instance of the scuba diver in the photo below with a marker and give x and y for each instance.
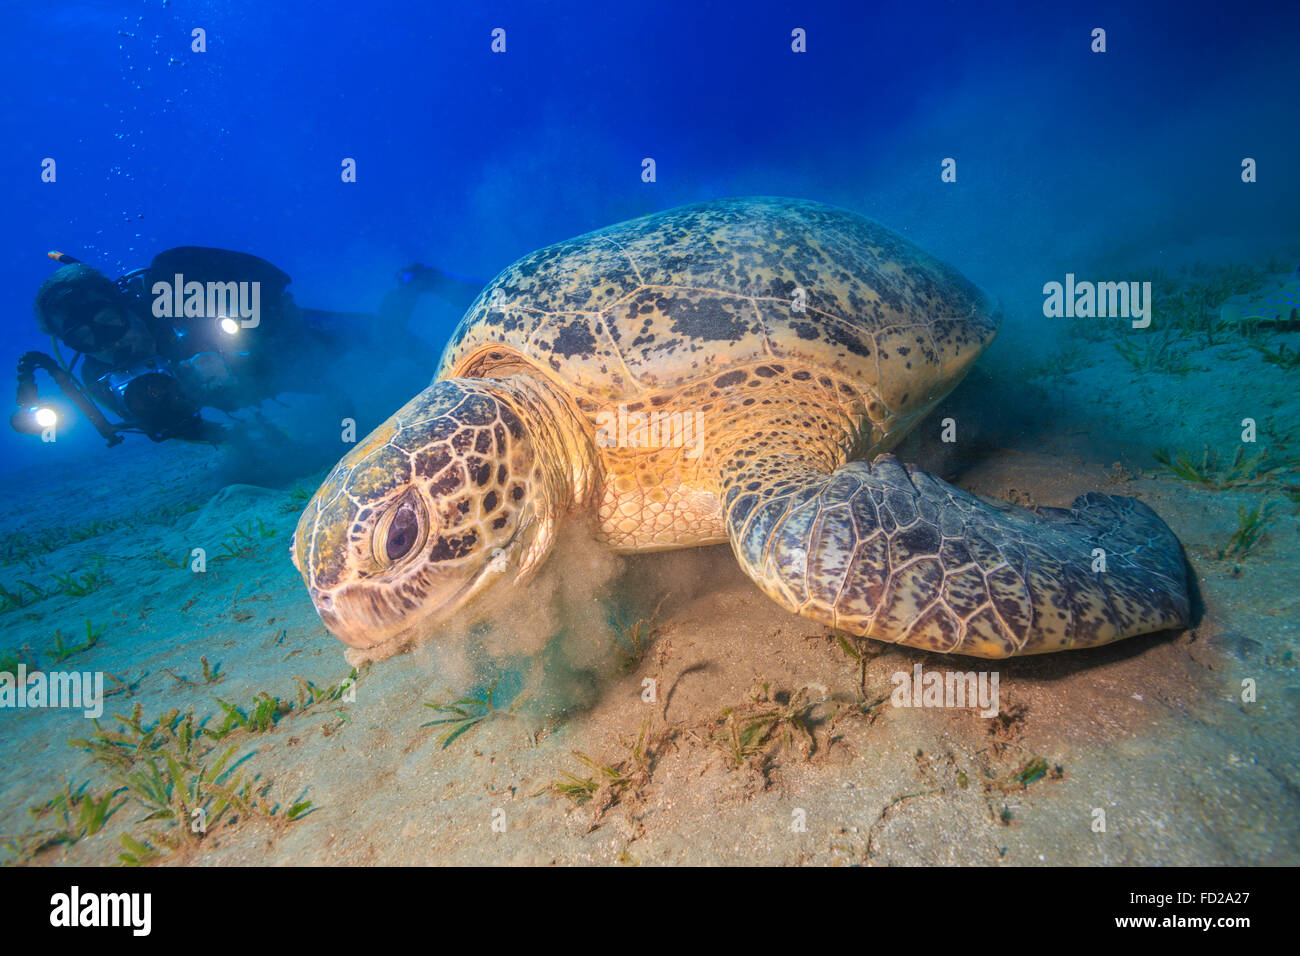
(199, 328)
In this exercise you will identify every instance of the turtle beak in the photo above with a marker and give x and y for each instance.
(368, 614)
(345, 620)
(365, 617)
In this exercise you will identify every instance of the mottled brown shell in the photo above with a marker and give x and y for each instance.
(664, 301)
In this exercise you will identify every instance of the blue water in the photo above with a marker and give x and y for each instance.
(467, 159)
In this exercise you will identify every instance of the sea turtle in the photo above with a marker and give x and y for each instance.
(733, 371)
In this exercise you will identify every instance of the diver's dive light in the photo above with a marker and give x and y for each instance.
(34, 419)
(34, 416)
(228, 325)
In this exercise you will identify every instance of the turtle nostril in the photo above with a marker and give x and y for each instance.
(322, 599)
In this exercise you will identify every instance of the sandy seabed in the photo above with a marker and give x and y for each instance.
(768, 739)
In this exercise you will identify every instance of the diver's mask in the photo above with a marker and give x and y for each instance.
(104, 328)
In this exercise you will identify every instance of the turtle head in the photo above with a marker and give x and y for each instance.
(435, 506)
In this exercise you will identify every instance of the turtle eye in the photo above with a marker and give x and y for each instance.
(400, 532)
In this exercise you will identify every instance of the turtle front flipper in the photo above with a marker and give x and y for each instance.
(895, 554)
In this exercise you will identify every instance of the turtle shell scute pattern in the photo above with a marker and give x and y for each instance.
(666, 300)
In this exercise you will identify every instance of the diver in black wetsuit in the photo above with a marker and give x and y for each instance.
(200, 328)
